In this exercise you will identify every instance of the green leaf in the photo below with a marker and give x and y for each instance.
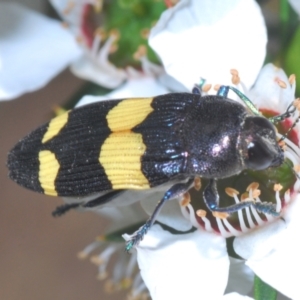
(292, 58)
(262, 291)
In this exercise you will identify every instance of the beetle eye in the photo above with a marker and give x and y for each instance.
(259, 157)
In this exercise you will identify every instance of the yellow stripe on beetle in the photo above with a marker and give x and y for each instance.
(49, 167)
(55, 126)
(129, 113)
(120, 157)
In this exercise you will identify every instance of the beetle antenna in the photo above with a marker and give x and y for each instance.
(246, 100)
(289, 112)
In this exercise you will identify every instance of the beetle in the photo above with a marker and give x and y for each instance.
(143, 143)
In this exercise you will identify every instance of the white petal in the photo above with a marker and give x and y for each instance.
(266, 92)
(241, 277)
(296, 5)
(259, 243)
(188, 266)
(214, 37)
(104, 73)
(136, 87)
(33, 49)
(281, 268)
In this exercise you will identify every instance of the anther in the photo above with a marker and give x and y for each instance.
(100, 32)
(140, 52)
(292, 79)
(281, 83)
(206, 88)
(256, 193)
(145, 33)
(126, 283)
(96, 260)
(115, 33)
(186, 199)
(201, 213)
(252, 186)
(98, 6)
(234, 72)
(220, 215)
(277, 187)
(231, 192)
(69, 7)
(235, 79)
(217, 87)
(82, 255)
(65, 25)
(101, 238)
(245, 196)
(296, 103)
(197, 183)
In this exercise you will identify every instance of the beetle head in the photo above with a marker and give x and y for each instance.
(260, 149)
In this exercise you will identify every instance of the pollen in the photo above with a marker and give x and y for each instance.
(206, 88)
(277, 187)
(252, 186)
(197, 183)
(292, 79)
(231, 192)
(281, 83)
(220, 215)
(201, 213)
(186, 199)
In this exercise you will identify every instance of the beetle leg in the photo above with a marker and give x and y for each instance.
(211, 198)
(197, 90)
(223, 91)
(175, 191)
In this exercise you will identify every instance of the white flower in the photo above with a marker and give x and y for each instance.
(213, 38)
(94, 65)
(195, 264)
(272, 252)
(33, 49)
